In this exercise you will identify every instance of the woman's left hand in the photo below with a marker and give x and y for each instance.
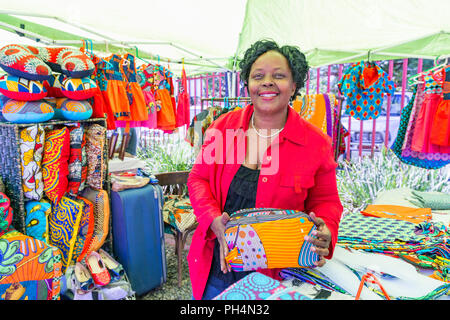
(321, 239)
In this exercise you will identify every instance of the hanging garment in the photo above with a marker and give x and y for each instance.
(422, 160)
(183, 107)
(432, 98)
(102, 107)
(165, 117)
(440, 127)
(116, 93)
(365, 84)
(138, 107)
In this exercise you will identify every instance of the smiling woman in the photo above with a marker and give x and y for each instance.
(265, 156)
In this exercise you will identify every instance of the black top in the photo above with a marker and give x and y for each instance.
(241, 195)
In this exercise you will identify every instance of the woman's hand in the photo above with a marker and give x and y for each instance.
(321, 239)
(218, 227)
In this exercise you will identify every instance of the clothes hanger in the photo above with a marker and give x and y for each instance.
(413, 79)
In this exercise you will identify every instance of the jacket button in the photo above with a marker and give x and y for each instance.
(264, 179)
(269, 158)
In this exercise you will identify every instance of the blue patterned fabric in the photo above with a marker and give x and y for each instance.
(364, 100)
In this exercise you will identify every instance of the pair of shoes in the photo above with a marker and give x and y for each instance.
(104, 269)
(115, 268)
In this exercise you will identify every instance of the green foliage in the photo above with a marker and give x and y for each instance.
(167, 157)
(361, 181)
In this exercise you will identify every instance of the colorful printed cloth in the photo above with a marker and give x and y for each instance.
(365, 84)
(36, 220)
(434, 200)
(85, 230)
(29, 268)
(178, 212)
(257, 286)
(55, 166)
(95, 143)
(64, 222)
(402, 144)
(264, 238)
(31, 141)
(6, 213)
(414, 215)
(77, 161)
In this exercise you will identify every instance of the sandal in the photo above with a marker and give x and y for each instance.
(97, 268)
(84, 279)
(114, 267)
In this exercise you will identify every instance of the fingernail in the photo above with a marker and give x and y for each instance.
(314, 233)
(307, 238)
(313, 249)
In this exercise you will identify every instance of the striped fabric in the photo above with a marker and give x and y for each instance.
(269, 238)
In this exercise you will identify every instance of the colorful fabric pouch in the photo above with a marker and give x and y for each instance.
(6, 213)
(67, 109)
(95, 141)
(269, 238)
(69, 61)
(257, 286)
(178, 212)
(64, 222)
(32, 270)
(78, 89)
(77, 172)
(36, 220)
(55, 166)
(19, 61)
(27, 111)
(31, 144)
(85, 231)
(22, 89)
(100, 201)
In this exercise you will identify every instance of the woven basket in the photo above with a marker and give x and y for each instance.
(10, 167)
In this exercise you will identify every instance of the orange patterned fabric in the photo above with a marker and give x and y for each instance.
(55, 163)
(414, 215)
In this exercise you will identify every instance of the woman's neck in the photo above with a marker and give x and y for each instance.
(269, 121)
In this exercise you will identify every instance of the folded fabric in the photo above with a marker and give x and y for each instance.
(414, 215)
(257, 286)
(64, 222)
(31, 144)
(119, 182)
(434, 200)
(6, 213)
(36, 220)
(269, 238)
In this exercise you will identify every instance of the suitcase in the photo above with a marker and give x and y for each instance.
(138, 236)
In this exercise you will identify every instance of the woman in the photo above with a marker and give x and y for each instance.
(264, 155)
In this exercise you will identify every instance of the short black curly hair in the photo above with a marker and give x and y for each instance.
(296, 60)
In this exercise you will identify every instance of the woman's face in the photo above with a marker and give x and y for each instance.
(270, 83)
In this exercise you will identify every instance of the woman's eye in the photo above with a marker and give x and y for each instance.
(257, 76)
(279, 76)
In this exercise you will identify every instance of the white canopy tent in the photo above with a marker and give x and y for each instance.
(211, 35)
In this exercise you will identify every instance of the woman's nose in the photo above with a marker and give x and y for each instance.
(267, 81)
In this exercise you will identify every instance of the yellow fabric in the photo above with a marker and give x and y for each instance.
(290, 232)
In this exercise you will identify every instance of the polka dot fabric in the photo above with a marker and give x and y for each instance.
(257, 286)
(269, 238)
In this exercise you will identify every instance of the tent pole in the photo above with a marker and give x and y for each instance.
(386, 48)
(34, 36)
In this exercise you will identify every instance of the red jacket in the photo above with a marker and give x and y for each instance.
(298, 172)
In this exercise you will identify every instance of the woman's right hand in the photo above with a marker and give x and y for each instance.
(218, 227)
